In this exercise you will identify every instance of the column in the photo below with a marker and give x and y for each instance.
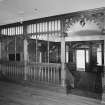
(103, 74)
(25, 58)
(103, 78)
(63, 72)
(0, 56)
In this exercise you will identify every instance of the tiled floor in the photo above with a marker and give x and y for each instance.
(15, 94)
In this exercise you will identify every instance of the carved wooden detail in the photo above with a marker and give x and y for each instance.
(82, 18)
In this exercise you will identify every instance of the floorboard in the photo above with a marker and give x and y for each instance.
(15, 94)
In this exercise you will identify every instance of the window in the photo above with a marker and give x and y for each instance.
(14, 57)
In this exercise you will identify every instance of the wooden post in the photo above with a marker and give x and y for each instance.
(103, 75)
(25, 58)
(63, 72)
(103, 78)
(0, 56)
(63, 56)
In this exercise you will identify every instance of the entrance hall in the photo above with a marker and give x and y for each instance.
(85, 63)
(64, 53)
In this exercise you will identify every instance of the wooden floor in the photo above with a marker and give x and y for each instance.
(15, 94)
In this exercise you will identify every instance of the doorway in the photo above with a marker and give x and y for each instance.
(80, 60)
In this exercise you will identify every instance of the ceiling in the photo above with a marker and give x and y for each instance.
(15, 10)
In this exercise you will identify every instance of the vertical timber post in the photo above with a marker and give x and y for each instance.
(0, 55)
(25, 58)
(63, 72)
(103, 78)
(103, 75)
(25, 51)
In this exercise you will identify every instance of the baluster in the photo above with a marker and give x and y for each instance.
(38, 71)
(10, 72)
(18, 72)
(14, 70)
(11, 67)
(42, 73)
(34, 73)
(54, 72)
(30, 71)
(57, 75)
(48, 74)
(6, 69)
(51, 74)
(22, 69)
(45, 75)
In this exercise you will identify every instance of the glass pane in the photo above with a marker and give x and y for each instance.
(38, 27)
(43, 27)
(16, 30)
(34, 28)
(22, 29)
(46, 28)
(56, 25)
(87, 56)
(41, 24)
(59, 25)
(52, 25)
(49, 26)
